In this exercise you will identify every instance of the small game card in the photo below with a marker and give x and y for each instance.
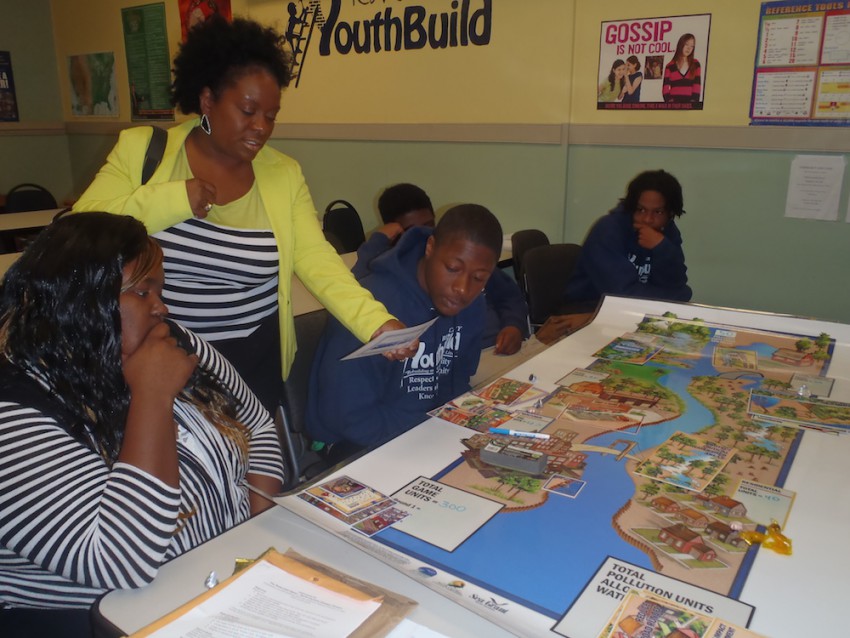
(390, 340)
(452, 414)
(764, 503)
(380, 521)
(815, 386)
(483, 419)
(526, 422)
(632, 347)
(645, 615)
(607, 589)
(581, 375)
(504, 390)
(470, 401)
(564, 485)
(346, 495)
(530, 401)
(351, 519)
(734, 358)
(689, 461)
(810, 411)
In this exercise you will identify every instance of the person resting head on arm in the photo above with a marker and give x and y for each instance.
(429, 274)
(126, 437)
(633, 251)
(403, 206)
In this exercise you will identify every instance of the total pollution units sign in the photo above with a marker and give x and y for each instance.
(653, 63)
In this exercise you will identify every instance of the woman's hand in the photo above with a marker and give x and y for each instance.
(158, 368)
(402, 353)
(201, 196)
(156, 372)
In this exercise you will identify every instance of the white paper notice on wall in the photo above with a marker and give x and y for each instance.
(814, 187)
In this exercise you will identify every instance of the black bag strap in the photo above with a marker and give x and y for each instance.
(153, 155)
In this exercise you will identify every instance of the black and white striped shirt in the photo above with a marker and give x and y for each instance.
(71, 527)
(220, 282)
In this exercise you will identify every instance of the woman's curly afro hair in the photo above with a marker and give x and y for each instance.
(217, 52)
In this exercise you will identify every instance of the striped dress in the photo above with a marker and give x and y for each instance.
(71, 527)
(220, 282)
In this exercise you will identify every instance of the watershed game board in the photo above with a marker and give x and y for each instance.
(658, 454)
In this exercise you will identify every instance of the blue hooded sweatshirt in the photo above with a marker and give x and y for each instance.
(370, 400)
(612, 262)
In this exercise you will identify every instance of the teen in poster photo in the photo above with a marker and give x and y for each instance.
(653, 63)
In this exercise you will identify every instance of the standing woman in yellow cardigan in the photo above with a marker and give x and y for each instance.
(234, 217)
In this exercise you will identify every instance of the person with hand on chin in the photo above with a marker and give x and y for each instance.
(234, 217)
(633, 251)
(126, 439)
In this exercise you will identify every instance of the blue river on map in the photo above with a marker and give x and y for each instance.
(519, 556)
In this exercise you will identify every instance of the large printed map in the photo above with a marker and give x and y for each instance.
(652, 447)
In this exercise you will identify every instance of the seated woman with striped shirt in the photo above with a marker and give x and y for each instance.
(234, 216)
(126, 440)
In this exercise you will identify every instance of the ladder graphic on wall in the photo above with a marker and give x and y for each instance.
(303, 18)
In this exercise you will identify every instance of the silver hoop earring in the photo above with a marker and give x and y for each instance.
(205, 124)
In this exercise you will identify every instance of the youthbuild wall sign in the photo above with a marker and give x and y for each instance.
(384, 27)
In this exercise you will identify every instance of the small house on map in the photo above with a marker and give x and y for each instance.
(693, 518)
(728, 507)
(666, 505)
(724, 533)
(792, 357)
(686, 541)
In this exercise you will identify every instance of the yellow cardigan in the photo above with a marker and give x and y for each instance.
(301, 244)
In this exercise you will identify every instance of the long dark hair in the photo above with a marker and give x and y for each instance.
(611, 77)
(60, 319)
(681, 45)
(60, 322)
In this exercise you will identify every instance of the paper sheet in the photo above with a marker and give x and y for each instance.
(814, 187)
(390, 341)
(267, 602)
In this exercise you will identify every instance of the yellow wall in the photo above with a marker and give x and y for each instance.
(520, 76)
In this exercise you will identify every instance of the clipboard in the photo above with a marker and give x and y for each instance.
(392, 610)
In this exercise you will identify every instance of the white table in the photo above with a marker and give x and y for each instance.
(31, 219)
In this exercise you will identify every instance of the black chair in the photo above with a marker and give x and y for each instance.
(27, 197)
(521, 242)
(302, 463)
(21, 199)
(546, 271)
(343, 222)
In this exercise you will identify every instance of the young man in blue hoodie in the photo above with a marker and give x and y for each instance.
(404, 206)
(633, 251)
(430, 273)
(636, 249)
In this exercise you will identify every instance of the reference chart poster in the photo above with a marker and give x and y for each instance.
(802, 68)
(653, 63)
(148, 62)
